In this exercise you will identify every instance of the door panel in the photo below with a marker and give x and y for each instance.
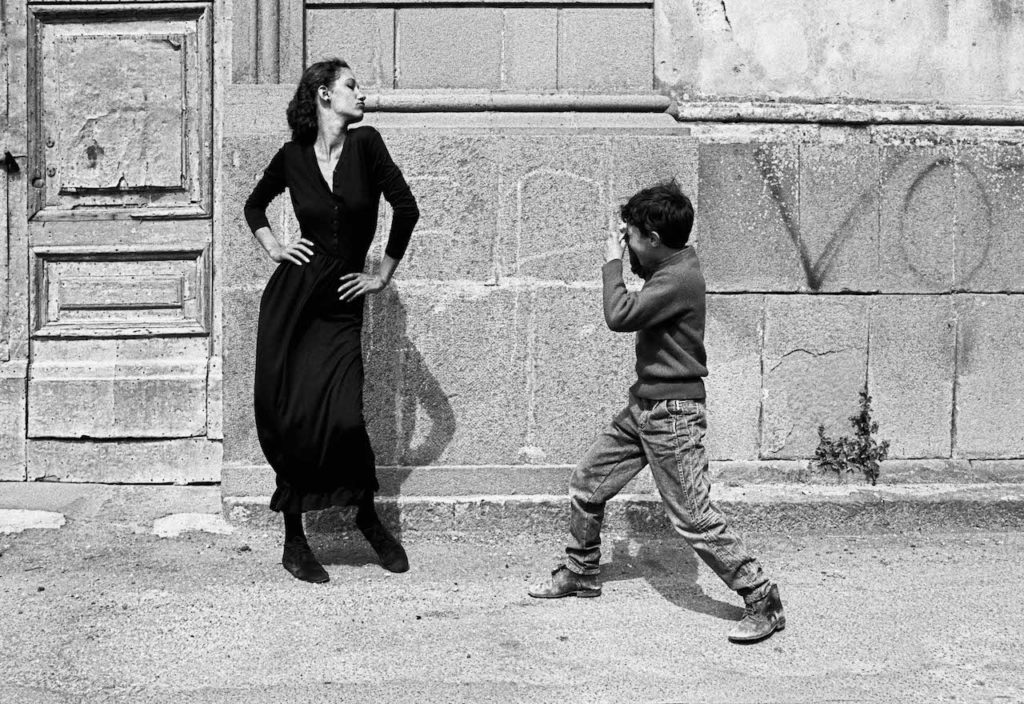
(119, 111)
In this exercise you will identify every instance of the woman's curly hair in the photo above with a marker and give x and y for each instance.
(302, 108)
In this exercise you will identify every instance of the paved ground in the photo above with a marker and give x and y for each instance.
(104, 610)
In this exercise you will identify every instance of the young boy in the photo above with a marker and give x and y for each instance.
(664, 423)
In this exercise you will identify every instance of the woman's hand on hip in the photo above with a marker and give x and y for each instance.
(355, 285)
(297, 253)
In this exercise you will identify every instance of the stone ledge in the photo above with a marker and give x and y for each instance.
(841, 509)
(472, 3)
(532, 480)
(259, 110)
(751, 509)
(846, 113)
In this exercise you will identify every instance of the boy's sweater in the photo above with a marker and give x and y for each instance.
(667, 315)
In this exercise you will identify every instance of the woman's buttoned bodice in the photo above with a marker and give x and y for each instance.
(340, 220)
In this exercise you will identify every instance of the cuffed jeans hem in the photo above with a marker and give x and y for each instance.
(582, 571)
(755, 593)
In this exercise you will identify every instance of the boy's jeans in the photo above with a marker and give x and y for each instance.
(668, 435)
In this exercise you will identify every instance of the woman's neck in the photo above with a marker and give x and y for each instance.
(331, 133)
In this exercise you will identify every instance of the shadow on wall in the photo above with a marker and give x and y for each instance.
(413, 422)
(408, 416)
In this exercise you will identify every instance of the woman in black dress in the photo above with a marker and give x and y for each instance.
(309, 364)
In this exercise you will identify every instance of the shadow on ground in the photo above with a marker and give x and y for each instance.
(669, 565)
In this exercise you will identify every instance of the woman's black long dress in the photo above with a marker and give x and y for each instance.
(309, 362)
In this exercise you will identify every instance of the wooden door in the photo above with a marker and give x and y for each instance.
(119, 234)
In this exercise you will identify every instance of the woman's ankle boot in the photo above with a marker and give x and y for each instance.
(299, 559)
(390, 552)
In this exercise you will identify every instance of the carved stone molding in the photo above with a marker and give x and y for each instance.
(267, 41)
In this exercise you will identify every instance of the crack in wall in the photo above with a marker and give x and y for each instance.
(811, 353)
(713, 15)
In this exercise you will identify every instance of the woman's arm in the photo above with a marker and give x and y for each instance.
(271, 185)
(389, 179)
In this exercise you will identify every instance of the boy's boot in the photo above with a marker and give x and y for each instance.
(565, 582)
(299, 559)
(762, 616)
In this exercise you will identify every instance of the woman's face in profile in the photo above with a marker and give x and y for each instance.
(344, 97)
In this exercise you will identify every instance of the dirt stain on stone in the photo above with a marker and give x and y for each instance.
(93, 152)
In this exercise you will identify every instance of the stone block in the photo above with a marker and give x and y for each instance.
(428, 58)
(917, 218)
(364, 37)
(475, 480)
(923, 471)
(814, 50)
(554, 206)
(989, 212)
(148, 388)
(529, 49)
(180, 461)
(1002, 471)
(815, 364)
(675, 28)
(241, 313)
(455, 180)
(215, 399)
(447, 375)
(747, 217)
(478, 480)
(581, 373)
(732, 335)
(910, 373)
(641, 161)
(12, 421)
(989, 385)
(606, 49)
(838, 205)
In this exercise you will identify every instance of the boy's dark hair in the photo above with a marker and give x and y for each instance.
(662, 208)
(301, 111)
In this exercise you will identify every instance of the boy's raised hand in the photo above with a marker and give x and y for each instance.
(615, 243)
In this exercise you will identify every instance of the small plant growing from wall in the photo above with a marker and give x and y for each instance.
(851, 454)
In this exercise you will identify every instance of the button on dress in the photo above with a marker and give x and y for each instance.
(308, 391)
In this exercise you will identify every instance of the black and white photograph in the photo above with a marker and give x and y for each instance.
(511, 351)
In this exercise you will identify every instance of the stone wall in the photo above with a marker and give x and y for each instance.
(857, 181)
(836, 259)
(856, 169)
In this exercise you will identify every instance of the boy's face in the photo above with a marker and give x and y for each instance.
(640, 245)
